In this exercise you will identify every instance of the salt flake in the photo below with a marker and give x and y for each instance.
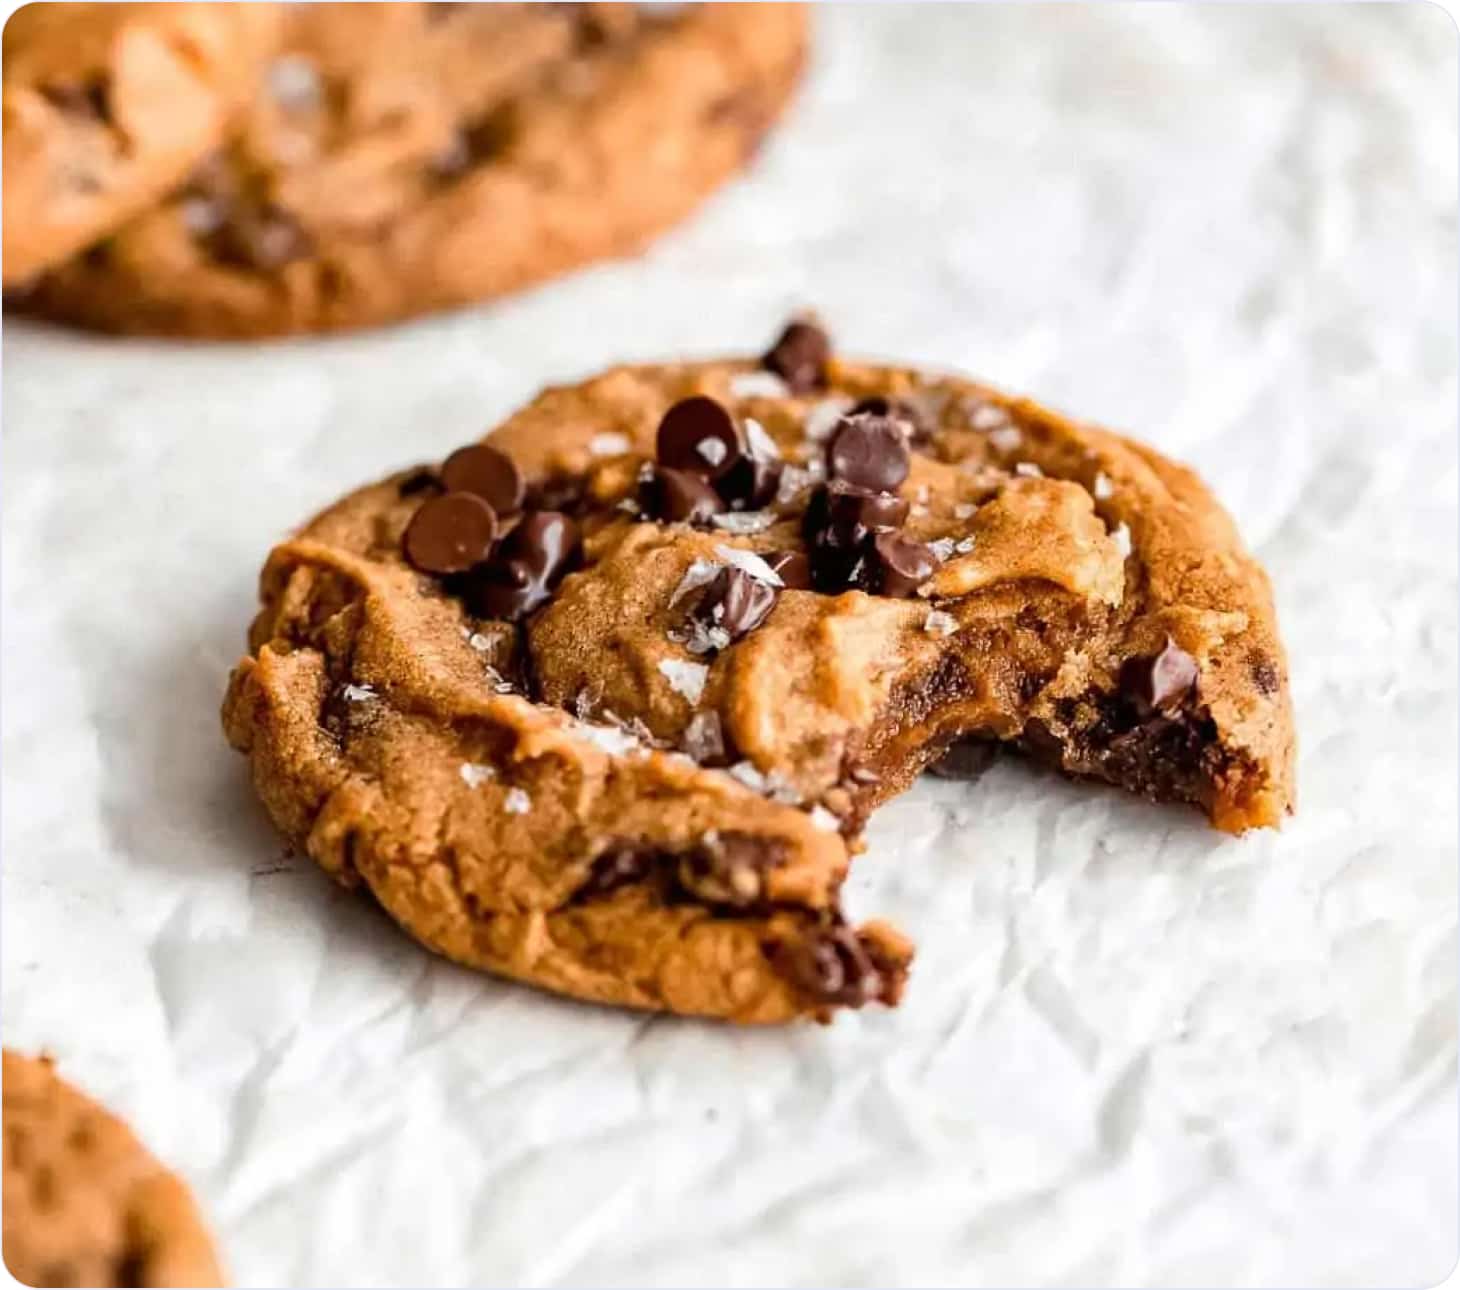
(609, 739)
(1028, 470)
(942, 548)
(758, 385)
(686, 679)
(1120, 535)
(744, 523)
(761, 445)
(988, 416)
(964, 509)
(359, 693)
(609, 443)
(749, 562)
(475, 775)
(517, 802)
(1102, 488)
(1006, 438)
(824, 820)
(940, 624)
(700, 573)
(822, 417)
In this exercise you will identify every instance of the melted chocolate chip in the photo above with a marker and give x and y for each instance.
(617, 867)
(263, 240)
(699, 436)
(730, 868)
(735, 602)
(855, 512)
(1160, 681)
(793, 568)
(531, 560)
(493, 476)
(897, 566)
(450, 534)
(677, 496)
(868, 451)
(750, 483)
(966, 760)
(799, 357)
(831, 966)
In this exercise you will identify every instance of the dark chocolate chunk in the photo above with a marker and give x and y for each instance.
(966, 760)
(528, 564)
(1042, 744)
(854, 512)
(735, 601)
(898, 566)
(831, 966)
(869, 451)
(730, 868)
(678, 496)
(799, 357)
(1159, 682)
(793, 568)
(450, 534)
(698, 435)
(485, 472)
(750, 483)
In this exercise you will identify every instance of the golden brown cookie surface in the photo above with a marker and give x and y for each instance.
(108, 106)
(405, 158)
(605, 704)
(85, 1203)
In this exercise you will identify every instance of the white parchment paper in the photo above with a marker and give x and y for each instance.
(1133, 1051)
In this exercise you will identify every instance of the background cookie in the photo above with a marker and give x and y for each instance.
(108, 106)
(85, 1204)
(604, 703)
(405, 158)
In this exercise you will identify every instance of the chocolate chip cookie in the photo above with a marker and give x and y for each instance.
(108, 106)
(85, 1204)
(603, 702)
(409, 157)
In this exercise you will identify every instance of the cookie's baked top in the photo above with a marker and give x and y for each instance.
(407, 157)
(85, 1204)
(108, 106)
(604, 703)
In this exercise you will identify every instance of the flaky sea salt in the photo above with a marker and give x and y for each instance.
(744, 523)
(609, 443)
(988, 416)
(686, 679)
(758, 385)
(359, 693)
(712, 451)
(964, 509)
(744, 772)
(1028, 470)
(1120, 535)
(794, 482)
(963, 546)
(1006, 438)
(703, 637)
(517, 802)
(700, 573)
(475, 775)
(749, 562)
(942, 548)
(499, 683)
(761, 445)
(940, 624)
(821, 418)
(294, 81)
(824, 820)
(1102, 487)
(609, 739)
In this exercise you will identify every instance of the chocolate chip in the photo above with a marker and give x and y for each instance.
(485, 472)
(677, 496)
(869, 451)
(698, 435)
(530, 561)
(966, 760)
(730, 868)
(793, 568)
(704, 738)
(450, 534)
(919, 425)
(832, 966)
(750, 483)
(88, 99)
(263, 240)
(735, 602)
(898, 566)
(617, 867)
(799, 357)
(853, 512)
(1041, 743)
(419, 481)
(1160, 681)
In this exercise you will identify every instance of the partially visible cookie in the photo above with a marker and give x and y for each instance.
(85, 1203)
(409, 157)
(603, 702)
(107, 107)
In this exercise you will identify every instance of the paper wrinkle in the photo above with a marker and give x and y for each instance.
(1132, 1051)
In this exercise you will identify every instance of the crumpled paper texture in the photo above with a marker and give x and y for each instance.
(1133, 1051)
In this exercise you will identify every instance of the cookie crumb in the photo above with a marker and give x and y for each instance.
(686, 679)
